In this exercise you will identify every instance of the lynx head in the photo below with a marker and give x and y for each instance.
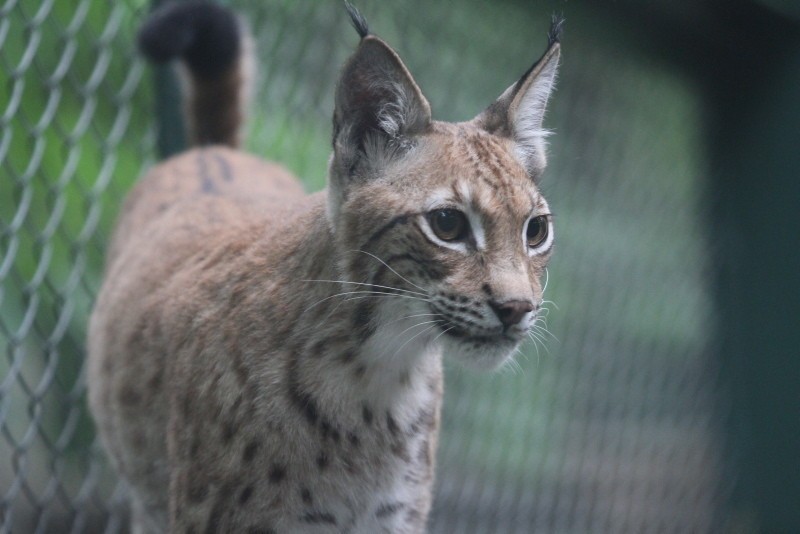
(450, 214)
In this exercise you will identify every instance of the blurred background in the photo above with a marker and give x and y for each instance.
(667, 396)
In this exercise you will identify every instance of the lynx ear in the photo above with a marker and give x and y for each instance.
(519, 112)
(379, 107)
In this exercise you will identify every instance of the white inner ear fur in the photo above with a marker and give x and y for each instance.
(395, 114)
(529, 135)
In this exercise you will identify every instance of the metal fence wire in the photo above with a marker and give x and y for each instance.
(614, 425)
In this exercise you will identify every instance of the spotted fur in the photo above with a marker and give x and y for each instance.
(266, 361)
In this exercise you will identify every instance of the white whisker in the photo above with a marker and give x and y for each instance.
(544, 331)
(536, 337)
(390, 268)
(370, 285)
(551, 302)
(443, 332)
(412, 338)
(370, 293)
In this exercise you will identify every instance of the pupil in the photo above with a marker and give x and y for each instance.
(534, 228)
(447, 221)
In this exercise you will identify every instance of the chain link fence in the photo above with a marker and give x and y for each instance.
(612, 424)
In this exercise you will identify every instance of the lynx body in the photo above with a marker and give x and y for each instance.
(262, 360)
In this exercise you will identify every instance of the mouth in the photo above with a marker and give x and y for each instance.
(499, 338)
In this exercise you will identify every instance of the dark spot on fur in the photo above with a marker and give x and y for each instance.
(329, 432)
(366, 414)
(387, 509)
(277, 473)
(400, 450)
(224, 167)
(362, 319)
(208, 186)
(433, 384)
(349, 465)
(245, 495)
(129, 396)
(391, 424)
(318, 349)
(238, 363)
(413, 516)
(301, 399)
(319, 518)
(347, 356)
(234, 410)
(405, 378)
(353, 439)
(154, 384)
(194, 447)
(228, 431)
(322, 460)
(486, 289)
(305, 494)
(197, 490)
(424, 454)
(250, 451)
(359, 371)
(426, 418)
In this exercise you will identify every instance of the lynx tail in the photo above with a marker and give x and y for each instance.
(210, 40)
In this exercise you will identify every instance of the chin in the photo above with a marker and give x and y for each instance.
(480, 353)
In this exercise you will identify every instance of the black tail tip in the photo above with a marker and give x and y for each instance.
(556, 29)
(357, 19)
(203, 33)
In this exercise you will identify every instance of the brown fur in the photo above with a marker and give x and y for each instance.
(260, 359)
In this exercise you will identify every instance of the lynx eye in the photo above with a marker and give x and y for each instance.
(448, 224)
(536, 234)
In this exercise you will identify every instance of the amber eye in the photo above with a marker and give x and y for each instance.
(448, 224)
(537, 231)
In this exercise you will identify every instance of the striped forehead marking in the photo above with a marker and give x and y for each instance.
(493, 166)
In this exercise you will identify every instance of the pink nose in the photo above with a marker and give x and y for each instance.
(511, 312)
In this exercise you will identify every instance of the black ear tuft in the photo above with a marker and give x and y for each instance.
(556, 29)
(357, 19)
(203, 33)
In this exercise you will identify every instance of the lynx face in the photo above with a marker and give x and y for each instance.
(448, 216)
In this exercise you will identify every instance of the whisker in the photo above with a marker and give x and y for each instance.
(536, 346)
(544, 331)
(370, 285)
(414, 326)
(551, 302)
(371, 293)
(388, 267)
(415, 315)
(538, 338)
(376, 294)
(421, 314)
(412, 338)
(443, 332)
(512, 365)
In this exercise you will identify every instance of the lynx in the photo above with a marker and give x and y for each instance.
(265, 360)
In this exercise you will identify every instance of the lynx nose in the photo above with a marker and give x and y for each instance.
(511, 312)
